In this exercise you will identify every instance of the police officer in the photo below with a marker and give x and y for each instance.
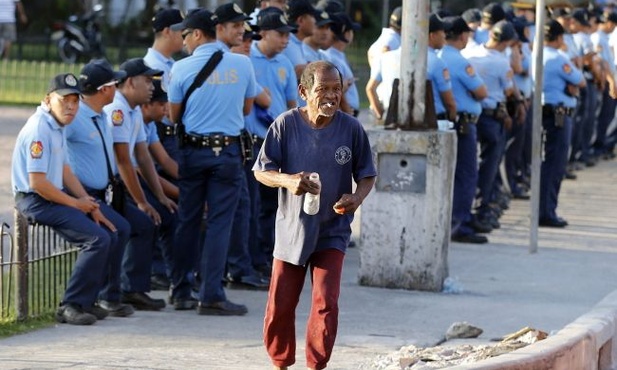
(313, 46)
(91, 157)
(210, 162)
(491, 14)
(47, 192)
(561, 79)
(491, 63)
(468, 90)
(378, 89)
(131, 150)
(301, 15)
(437, 73)
(160, 56)
(230, 32)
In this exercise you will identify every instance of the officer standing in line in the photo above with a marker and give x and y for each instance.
(378, 89)
(445, 106)
(210, 162)
(47, 192)
(91, 157)
(491, 14)
(240, 273)
(468, 90)
(302, 15)
(166, 43)
(343, 30)
(561, 79)
(390, 38)
(313, 46)
(491, 63)
(131, 150)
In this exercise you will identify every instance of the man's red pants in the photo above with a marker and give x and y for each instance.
(285, 287)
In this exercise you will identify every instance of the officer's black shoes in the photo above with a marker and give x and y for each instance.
(73, 314)
(224, 308)
(480, 226)
(553, 222)
(521, 195)
(470, 238)
(99, 312)
(117, 309)
(183, 304)
(159, 282)
(141, 301)
(570, 175)
(248, 282)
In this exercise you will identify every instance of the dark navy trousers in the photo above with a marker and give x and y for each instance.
(137, 261)
(491, 136)
(515, 158)
(465, 181)
(556, 145)
(238, 258)
(95, 243)
(607, 114)
(215, 180)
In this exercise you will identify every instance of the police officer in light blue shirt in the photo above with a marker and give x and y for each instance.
(561, 80)
(167, 42)
(130, 147)
(313, 46)
(490, 62)
(389, 39)
(491, 14)
(210, 162)
(47, 192)
(468, 89)
(301, 15)
(437, 71)
(343, 29)
(91, 156)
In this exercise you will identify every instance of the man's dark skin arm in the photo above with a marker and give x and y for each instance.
(299, 184)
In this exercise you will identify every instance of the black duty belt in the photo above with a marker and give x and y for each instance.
(489, 112)
(164, 130)
(467, 117)
(209, 141)
(20, 195)
(548, 110)
(257, 140)
(442, 116)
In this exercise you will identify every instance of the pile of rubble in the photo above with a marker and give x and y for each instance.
(442, 356)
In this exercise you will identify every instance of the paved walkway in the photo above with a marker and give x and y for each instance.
(504, 289)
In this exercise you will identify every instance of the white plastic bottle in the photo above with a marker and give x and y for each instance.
(311, 201)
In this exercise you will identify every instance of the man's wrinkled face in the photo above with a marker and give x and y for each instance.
(62, 108)
(325, 96)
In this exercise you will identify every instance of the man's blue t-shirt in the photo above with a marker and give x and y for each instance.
(338, 153)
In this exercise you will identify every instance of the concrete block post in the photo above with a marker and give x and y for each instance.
(405, 226)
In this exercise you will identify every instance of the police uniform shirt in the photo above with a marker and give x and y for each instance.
(523, 81)
(85, 151)
(126, 123)
(40, 147)
(311, 54)
(463, 78)
(388, 38)
(217, 106)
(154, 59)
(558, 71)
(277, 74)
(440, 78)
(612, 42)
(583, 43)
(601, 46)
(293, 51)
(152, 135)
(339, 59)
(386, 69)
(338, 152)
(493, 67)
(572, 51)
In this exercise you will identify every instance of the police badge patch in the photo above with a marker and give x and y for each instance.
(117, 117)
(36, 149)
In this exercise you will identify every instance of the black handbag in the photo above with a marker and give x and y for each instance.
(115, 191)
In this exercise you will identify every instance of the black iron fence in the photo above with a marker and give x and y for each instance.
(36, 263)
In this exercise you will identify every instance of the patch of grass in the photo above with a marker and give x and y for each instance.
(10, 326)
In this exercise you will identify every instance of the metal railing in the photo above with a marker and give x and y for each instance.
(39, 266)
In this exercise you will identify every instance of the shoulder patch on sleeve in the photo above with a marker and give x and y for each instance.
(470, 71)
(446, 74)
(36, 149)
(510, 74)
(117, 117)
(567, 68)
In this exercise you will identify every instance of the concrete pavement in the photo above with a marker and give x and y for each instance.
(504, 288)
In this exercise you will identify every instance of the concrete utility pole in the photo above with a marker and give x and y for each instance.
(406, 220)
(536, 140)
(412, 91)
